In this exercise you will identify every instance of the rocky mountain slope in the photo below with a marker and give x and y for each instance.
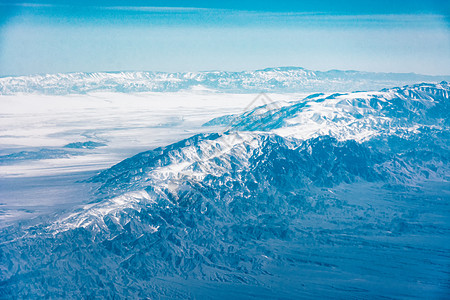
(327, 196)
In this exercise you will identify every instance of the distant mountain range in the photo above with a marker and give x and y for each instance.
(274, 80)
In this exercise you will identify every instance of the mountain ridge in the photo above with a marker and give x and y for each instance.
(281, 79)
(316, 213)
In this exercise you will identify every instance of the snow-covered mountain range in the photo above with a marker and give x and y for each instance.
(282, 79)
(319, 197)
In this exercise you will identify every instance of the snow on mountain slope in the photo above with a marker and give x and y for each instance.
(353, 116)
(275, 213)
(284, 79)
(260, 159)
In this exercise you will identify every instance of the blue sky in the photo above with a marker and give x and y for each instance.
(64, 36)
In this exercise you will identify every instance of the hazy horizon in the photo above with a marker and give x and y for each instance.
(225, 70)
